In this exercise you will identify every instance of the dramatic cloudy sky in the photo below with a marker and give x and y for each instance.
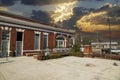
(90, 16)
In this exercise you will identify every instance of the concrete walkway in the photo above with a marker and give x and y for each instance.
(67, 68)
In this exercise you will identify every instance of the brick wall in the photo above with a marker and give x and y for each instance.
(51, 41)
(13, 38)
(28, 43)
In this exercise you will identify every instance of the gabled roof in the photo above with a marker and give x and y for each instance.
(20, 20)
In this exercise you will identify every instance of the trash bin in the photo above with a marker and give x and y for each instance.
(12, 53)
(88, 50)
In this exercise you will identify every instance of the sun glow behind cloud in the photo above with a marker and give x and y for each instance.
(3, 8)
(63, 12)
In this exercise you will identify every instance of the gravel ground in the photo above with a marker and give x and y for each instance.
(67, 68)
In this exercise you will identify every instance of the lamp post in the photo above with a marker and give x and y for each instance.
(109, 34)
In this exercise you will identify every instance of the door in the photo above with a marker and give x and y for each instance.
(19, 48)
(4, 48)
(5, 43)
(19, 43)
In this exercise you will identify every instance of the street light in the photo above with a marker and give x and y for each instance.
(109, 34)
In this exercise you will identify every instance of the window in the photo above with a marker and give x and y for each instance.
(19, 36)
(37, 41)
(45, 41)
(60, 42)
(5, 34)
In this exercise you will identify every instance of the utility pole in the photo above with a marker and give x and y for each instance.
(109, 34)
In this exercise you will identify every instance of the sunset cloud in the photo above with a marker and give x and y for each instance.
(63, 12)
(98, 20)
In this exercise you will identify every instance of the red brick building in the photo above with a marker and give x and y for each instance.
(21, 35)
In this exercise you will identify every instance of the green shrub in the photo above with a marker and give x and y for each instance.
(75, 51)
(75, 48)
(53, 56)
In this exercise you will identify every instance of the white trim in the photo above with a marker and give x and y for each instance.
(22, 41)
(60, 36)
(2, 27)
(20, 30)
(68, 35)
(47, 39)
(38, 29)
(9, 42)
(37, 32)
(10, 29)
(6, 28)
(45, 33)
(55, 33)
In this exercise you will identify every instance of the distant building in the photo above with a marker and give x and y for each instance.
(100, 45)
(22, 35)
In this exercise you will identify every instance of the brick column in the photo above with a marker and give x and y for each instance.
(67, 41)
(13, 39)
(41, 41)
(54, 40)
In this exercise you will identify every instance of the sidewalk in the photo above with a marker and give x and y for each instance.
(67, 68)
